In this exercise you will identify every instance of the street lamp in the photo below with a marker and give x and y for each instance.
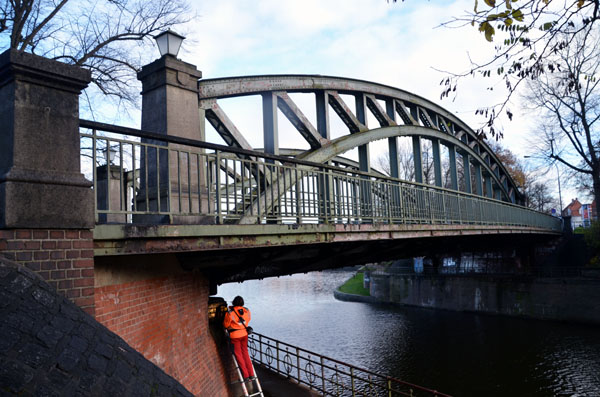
(559, 191)
(169, 42)
(110, 154)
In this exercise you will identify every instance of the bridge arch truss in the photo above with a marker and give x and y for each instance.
(404, 114)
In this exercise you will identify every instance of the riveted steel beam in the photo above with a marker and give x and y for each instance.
(300, 121)
(343, 111)
(380, 114)
(224, 126)
(404, 115)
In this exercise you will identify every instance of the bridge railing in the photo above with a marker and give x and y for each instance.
(143, 177)
(328, 376)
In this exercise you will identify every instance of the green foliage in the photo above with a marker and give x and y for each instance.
(355, 286)
(592, 239)
(592, 236)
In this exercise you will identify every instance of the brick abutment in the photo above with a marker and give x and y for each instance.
(63, 258)
(165, 319)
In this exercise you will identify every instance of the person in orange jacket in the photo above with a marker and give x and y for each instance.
(236, 320)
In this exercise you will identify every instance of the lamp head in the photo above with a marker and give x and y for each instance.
(169, 42)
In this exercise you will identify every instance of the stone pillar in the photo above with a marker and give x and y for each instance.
(170, 107)
(46, 204)
(111, 193)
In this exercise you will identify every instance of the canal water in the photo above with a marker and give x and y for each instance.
(462, 354)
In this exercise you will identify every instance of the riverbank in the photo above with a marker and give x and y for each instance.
(562, 299)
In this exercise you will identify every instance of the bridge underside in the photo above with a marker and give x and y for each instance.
(228, 253)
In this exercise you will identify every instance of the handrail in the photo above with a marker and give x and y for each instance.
(176, 176)
(328, 376)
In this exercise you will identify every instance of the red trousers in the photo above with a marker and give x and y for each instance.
(240, 350)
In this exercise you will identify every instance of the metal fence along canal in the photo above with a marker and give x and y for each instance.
(326, 375)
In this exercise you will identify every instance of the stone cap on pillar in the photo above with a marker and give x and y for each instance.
(41, 185)
(19, 65)
(169, 70)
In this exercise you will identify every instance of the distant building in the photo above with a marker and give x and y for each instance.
(574, 211)
(581, 214)
(588, 213)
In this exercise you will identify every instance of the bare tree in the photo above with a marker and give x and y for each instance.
(406, 166)
(526, 34)
(105, 36)
(538, 197)
(570, 101)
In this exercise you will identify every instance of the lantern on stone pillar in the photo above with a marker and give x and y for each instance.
(169, 42)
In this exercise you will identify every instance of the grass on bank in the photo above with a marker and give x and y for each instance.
(355, 286)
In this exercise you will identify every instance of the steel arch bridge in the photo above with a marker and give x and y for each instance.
(238, 212)
(405, 114)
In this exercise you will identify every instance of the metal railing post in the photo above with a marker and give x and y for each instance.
(352, 382)
(218, 186)
(298, 364)
(323, 375)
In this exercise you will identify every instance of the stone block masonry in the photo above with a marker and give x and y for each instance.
(63, 258)
(575, 299)
(165, 319)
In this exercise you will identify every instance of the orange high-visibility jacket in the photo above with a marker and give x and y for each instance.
(233, 323)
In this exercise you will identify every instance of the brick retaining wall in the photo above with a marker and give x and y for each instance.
(63, 258)
(166, 320)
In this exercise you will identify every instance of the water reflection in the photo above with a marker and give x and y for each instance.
(458, 353)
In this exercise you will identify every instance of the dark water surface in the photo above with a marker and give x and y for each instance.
(462, 354)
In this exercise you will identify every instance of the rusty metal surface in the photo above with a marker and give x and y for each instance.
(131, 239)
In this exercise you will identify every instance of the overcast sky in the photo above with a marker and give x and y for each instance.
(398, 44)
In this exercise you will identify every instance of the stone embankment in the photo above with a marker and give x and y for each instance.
(50, 347)
(572, 299)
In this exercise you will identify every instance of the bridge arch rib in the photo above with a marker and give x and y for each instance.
(431, 121)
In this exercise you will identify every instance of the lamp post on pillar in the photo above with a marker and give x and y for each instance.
(169, 43)
(170, 107)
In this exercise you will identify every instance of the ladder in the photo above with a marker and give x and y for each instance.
(252, 392)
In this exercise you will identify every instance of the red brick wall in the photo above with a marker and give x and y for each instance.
(64, 258)
(166, 319)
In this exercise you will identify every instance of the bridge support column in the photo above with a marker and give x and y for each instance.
(418, 159)
(170, 107)
(270, 131)
(488, 186)
(437, 162)
(364, 162)
(467, 172)
(392, 142)
(322, 104)
(46, 204)
(478, 180)
(453, 171)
